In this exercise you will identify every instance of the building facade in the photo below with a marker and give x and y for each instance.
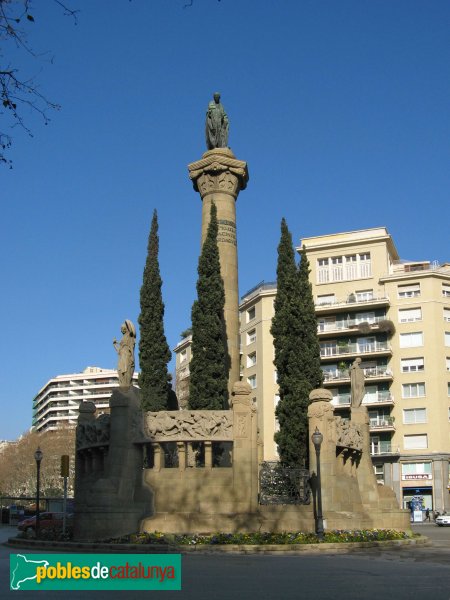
(393, 314)
(56, 403)
(183, 356)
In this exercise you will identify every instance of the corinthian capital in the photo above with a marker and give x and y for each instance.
(219, 172)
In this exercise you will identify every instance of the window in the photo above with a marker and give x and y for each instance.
(447, 338)
(323, 273)
(251, 360)
(409, 315)
(446, 289)
(275, 376)
(252, 381)
(379, 473)
(326, 299)
(447, 314)
(409, 470)
(351, 271)
(364, 295)
(275, 404)
(365, 265)
(415, 442)
(340, 268)
(411, 340)
(183, 356)
(370, 394)
(365, 317)
(329, 372)
(337, 273)
(251, 336)
(414, 415)
(410, 365)
(328, 348)
(366, 344)
(447, 363)
(413, 390)
(251, 313)
(409, 291)
(326, 323)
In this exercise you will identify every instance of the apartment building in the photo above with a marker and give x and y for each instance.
(393, 314)
(57, 402)
(182, 359)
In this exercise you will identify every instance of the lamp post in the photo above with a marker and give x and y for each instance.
(38, 457)
(317, 439)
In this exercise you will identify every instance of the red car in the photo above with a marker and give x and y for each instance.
(46, 520)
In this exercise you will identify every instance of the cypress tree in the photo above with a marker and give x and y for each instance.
(154, 352)
(210, 362)
(309, 342)
(294, 329)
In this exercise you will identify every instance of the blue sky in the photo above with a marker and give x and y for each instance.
(340, 108)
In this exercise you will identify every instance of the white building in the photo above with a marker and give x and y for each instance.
(57, 401)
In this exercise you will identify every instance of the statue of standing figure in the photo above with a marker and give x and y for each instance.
(216, 124)
(125, 350)
(357, 383)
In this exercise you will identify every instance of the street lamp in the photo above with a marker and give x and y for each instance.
(317, 439)
(38, 457)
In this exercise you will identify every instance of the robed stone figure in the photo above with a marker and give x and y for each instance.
(125, 350)
(216, 124)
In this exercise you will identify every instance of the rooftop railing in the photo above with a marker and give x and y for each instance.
(352, 299)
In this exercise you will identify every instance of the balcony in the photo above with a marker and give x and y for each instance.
(343, 375)
(382, 423)
(383, 450)
(380, 398)
(348, 350)
(343, 304)
(347, 326)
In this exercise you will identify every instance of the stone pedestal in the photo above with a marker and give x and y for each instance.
(110, 496)
(245, 451)
(219, 177)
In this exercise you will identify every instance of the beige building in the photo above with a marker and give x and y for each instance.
(182, 359)
(393, 314)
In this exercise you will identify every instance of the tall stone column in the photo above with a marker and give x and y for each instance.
(219, 177)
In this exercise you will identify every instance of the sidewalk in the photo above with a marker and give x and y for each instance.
(7, 531)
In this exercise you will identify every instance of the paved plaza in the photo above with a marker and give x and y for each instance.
(403, 573)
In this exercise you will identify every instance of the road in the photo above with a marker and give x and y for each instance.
(403, 574)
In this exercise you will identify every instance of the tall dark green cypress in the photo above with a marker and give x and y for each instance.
(210, 362)
(310, 347)
(154, 352)
(294, 328)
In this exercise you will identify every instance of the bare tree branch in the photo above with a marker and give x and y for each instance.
(17, 92)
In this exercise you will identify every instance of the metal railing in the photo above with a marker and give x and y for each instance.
(347, 324)
(369, 372)
(383, 449)
(339, 350)
(283, 485)
(345, 399)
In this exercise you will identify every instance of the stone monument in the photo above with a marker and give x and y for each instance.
(219, 177)
(216, 128)
(125, 350)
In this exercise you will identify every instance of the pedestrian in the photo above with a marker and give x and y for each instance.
(427, 515)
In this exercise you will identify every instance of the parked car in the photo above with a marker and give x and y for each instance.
(443, 521)
(47, 520)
